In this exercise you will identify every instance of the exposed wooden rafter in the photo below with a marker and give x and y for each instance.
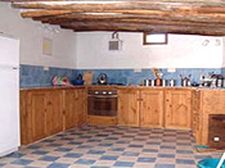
(205, 17)
(118, 26)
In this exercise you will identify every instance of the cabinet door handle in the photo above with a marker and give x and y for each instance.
(140, 99)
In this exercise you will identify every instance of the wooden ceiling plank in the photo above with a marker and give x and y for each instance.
(44, 13)
(143, 28)
(85, 6)
(47, 16)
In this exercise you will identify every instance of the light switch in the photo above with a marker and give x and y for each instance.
(137, 70)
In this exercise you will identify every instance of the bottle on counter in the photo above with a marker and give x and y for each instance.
(158, 82)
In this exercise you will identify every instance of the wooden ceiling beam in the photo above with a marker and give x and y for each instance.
(47, 16)
(81, 26)
(44, 13)
(129, 19)
(87, 6)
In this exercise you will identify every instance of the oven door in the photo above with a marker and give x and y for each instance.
(102, 105)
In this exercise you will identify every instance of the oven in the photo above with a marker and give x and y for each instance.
(102, 103)
(216, 137)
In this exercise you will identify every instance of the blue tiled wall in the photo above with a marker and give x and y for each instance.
(128, 76)
(223, 71)
(35, 76)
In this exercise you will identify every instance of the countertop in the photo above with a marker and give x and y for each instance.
(52, 87)
(118, 87)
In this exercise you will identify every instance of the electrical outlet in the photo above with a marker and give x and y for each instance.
(137, 70)
(45, 68)
(171, 70)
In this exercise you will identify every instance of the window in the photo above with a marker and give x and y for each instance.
(155, 38)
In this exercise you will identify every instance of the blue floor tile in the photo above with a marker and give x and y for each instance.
(40, 152)
(73, 155)
(130, 153)
(167, 147)
(150, 150)
(85, 161)
(109, 157)
(184, 151)
(23, 162)
(49, 158)
(15, 155)
(62, 149)
(123, 164)
(166, 155)
(135, 146)
(58, 165)
(185, 161)
(96, 152)
(106, 144)
(100, 167)
(164, 165)
(146, 159)
(118, 149)
(34, 147)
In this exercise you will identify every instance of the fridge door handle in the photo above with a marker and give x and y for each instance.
(15, 68)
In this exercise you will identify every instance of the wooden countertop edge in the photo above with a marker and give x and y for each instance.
(52, 88)
(120, 87)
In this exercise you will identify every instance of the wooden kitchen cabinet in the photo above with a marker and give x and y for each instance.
(54, 112)
(196, 115)
(151, 108)
(37, 101)
(212, 102)
(32, 115)
(128, 107)
(45, 112)
(74, 107)
(178, 109)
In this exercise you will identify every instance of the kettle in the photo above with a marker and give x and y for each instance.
(102, 79)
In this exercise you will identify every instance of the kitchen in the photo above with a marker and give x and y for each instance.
(131, 65)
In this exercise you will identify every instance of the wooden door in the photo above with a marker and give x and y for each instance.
(128, 107)
(37, 108)
(178, 109)
(151, 108)
(54, 113)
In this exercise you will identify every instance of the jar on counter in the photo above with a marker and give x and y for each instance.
(172, 82)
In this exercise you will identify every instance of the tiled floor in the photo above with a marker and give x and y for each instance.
(103, 147)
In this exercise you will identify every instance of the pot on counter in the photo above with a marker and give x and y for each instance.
(102, 79)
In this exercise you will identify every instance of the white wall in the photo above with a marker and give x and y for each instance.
(182, 51)
(31, 36)
(90, 49)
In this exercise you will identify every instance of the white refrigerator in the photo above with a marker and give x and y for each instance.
(9, 95)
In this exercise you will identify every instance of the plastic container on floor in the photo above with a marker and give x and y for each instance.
(209, 163)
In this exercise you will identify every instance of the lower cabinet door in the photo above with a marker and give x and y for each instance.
(70, 102)
(178, 109)
(75, 107)
(128, 107)
(54, 112)
(151, 108)
(37, 109)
